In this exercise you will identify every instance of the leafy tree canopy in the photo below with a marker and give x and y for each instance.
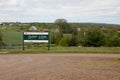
(93, 38)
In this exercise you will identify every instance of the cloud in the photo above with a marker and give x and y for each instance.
(74, 10)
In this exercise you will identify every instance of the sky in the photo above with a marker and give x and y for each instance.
(95, 11)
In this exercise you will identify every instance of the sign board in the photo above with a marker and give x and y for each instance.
(36, 37)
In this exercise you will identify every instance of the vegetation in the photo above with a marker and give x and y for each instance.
(74, 39)
(1, 40)
(114, 40)
(64, 27)
(95, 50)
(65, 40)
(94, 37)
(64, 34)
(11, 38)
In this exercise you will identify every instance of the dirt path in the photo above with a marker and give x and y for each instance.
(60, 67)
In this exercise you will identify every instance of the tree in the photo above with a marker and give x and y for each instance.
(1, 43)
(63, 25)
(61, 21)
(74, 39)
(94, 37)
(114, 40)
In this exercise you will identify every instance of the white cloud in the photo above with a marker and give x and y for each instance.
(70, 9)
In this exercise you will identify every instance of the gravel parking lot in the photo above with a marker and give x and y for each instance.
(60, 67)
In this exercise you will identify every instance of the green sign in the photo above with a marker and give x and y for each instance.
(36, 37)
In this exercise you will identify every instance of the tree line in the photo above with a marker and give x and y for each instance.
(85, 36)
(63, 33)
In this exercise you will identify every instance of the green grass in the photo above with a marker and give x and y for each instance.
(11, 37)
(103, 50)
(8, 27)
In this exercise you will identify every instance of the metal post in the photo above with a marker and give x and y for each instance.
(48, 41)
(23, 42)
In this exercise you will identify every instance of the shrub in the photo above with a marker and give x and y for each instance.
(114, 41)
(64, 41)
(93, 37)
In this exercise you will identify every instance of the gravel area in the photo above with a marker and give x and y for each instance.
(60, 67)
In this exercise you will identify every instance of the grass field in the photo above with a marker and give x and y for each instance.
(11, 37)
(103, 50)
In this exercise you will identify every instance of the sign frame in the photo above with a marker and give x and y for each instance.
(36, 37)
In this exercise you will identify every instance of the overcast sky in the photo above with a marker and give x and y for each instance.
(98, 11)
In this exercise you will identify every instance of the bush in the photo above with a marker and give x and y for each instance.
(64, 41)
(93, 37)
(114, 41)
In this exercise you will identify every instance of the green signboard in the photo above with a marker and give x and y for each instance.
(36, 37)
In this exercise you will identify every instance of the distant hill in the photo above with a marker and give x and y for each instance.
(52, 25)
(95, 24)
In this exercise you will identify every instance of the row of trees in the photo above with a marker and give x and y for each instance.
(64, 34)
(88, 37)
(95, 37)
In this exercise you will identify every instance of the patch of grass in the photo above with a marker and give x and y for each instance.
(103, 50)
(12, 37)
